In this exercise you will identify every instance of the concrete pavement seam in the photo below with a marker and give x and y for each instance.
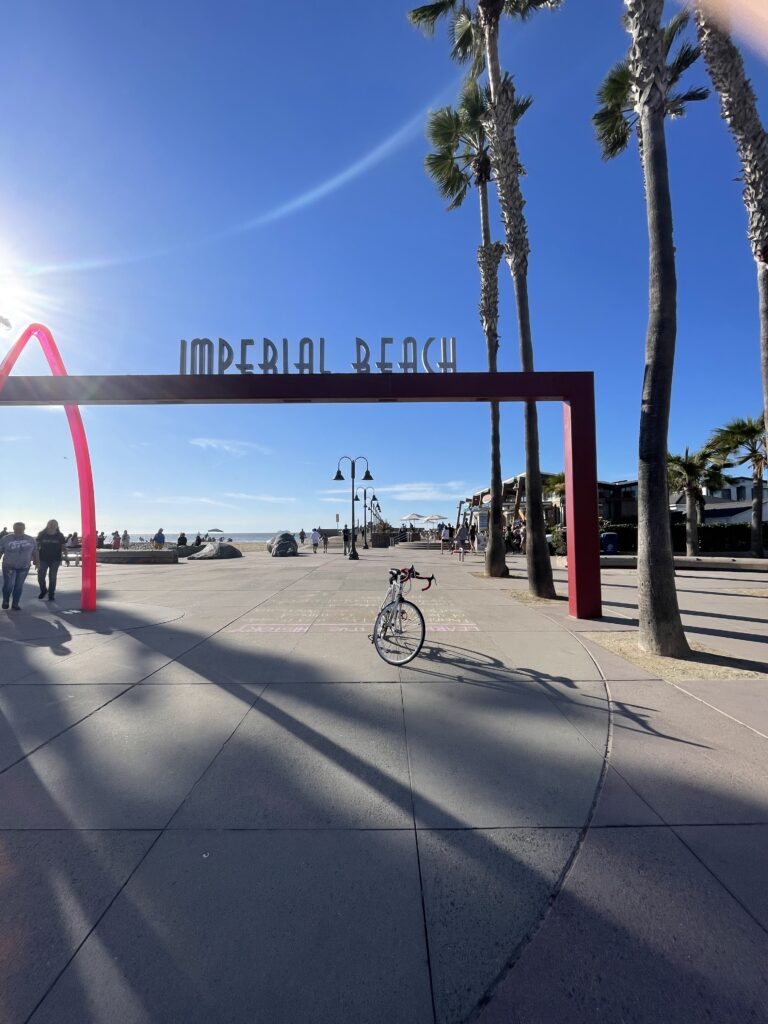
(418, 859)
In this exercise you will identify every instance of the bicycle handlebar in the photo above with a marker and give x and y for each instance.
(410, 574)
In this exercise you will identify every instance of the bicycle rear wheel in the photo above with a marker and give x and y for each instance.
(398, 634)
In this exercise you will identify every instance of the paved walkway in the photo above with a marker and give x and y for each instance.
(218, 805)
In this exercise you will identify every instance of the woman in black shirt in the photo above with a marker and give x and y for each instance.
(50, 544)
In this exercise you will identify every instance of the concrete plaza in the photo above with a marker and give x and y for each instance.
(217, 804)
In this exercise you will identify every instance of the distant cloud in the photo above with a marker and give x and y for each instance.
(233, 447)
(185, 500)
(10, 438)
(273, 499)
(450, 490)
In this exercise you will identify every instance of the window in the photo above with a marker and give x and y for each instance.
(741, 494)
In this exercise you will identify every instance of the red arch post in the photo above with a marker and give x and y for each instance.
(82, 456)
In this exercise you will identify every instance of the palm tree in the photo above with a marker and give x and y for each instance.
(637, 96)
(471, 34)
(688, 473)
(459, 159)
(738, 107)
(736, 444)
(617, 119)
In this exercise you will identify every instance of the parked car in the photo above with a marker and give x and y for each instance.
(283, 543)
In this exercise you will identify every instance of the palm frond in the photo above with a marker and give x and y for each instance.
(427, 16)
(677, 103)
(616, 88)
(613, 129)
(682, 61)
(673, 28)
(521, 106)
(452, 182)
(467, 43)
(444, 128)
(525, 8)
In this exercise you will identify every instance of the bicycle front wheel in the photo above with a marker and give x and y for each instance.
(399, 632)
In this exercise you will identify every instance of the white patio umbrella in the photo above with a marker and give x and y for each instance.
(436, 519)
(411, 517)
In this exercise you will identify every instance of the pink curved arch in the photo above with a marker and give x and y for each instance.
(82, 455)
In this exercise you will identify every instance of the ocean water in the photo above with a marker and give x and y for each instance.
(172, 537)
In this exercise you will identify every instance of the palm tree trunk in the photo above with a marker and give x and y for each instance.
(488, 258)
(538, 564)
(500, 127)
(757, 513)
(691, 523)
(661, 630)
(700, 507)
(738, 107)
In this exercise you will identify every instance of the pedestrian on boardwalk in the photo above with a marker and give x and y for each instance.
(159, 539)
(51, 549)
(18, 551)
(198, 541)
(462, 537)
(445, 538)
(315, 537)
(125, 540)
(473, 536)
(302, 536)
(115, 540)
(181, 540)
(345, 538)
(324, 535)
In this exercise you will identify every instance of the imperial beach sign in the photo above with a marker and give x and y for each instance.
(388, 355)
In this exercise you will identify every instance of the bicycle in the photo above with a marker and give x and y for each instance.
(398, 633)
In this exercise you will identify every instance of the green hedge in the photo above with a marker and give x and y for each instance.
(713, 537)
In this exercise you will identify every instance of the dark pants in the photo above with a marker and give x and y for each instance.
(13, 584)
(52, 571)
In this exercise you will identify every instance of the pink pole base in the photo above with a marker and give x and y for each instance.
(82, 456)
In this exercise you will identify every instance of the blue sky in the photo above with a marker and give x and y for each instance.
(248, 169)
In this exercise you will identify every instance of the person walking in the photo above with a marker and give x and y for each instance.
(345, 538)
(18, 551)
(302, 536)
(445, 538)
(159, 540)
(324, 535)
(315, 538)
(115, 540)
(50, 549)
(125, 540)
(473, 535)
(462, 537)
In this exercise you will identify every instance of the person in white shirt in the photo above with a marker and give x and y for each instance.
(445, 538)
(315, 541)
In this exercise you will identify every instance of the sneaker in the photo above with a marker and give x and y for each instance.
(15, 608)
(41, 595)
(51, 597)
(5, 604)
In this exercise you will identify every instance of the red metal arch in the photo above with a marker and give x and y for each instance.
(82, 455)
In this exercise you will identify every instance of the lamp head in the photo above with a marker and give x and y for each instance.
(374, 498)
(339, 475)
(367, 474)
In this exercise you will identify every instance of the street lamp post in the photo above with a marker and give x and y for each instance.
(365, 510)
(366, 476)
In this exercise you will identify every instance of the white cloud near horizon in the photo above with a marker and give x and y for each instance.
(273, 499)
(233, 447)
(449, 490)
(186, 500)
